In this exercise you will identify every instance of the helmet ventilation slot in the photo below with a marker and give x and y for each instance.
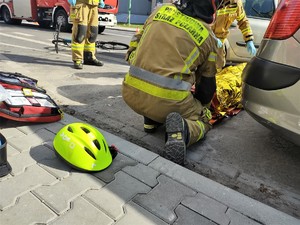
(105, 145)
(88, 151)
(70, 129)
(97, 144)
(85, 130)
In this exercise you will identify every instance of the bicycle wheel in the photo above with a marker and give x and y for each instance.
(56, 37)
(111, 45)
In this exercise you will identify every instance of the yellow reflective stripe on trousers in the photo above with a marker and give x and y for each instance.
(155, 90)
(226, 11)
(78, 47)
(241, 17)
(202, 129)
(190, 60)
(247, 31)
(90, 47)
(172, 16)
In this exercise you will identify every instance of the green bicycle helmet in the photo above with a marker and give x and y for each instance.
(83, 147)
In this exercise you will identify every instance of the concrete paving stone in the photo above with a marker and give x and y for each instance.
(164, 198)
(24, 212)
(11, 132)
(56, 167)
(116, 194)
(135, 152)
(233, 199)
(28, 158)
(59, 195)
(67, 119)
(11, 151)
(82, 213)
(186, 216)
(33, 128)
(117, 164)
(30, 140)
(33, 177)
(55, 127)
(226, 169)
(237, 218)
(208, 208)
(143, 173)
(158, 138)
(136, 215)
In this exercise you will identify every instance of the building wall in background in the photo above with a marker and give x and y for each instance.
(140, 10)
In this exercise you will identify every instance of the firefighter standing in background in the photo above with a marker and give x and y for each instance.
(84, 15)
(229, 11)
(175, 49)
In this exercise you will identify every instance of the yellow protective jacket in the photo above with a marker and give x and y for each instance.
(170, 54)
(88, 2)
(229, 11)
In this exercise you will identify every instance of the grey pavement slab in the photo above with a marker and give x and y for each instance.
(139, 187)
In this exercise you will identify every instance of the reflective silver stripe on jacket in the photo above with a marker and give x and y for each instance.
(165, 82)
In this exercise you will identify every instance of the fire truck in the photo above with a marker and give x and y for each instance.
(51, 12)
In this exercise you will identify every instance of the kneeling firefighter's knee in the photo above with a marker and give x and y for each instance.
(94, 32)
(81, 32)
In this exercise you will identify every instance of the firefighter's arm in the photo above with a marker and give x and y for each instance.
(133, 44)
(243, 22)
(137, 37)
(206, 81)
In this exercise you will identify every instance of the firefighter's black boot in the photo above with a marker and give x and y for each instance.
(89, 60)
(78, 64)
(5, 168)
(150, 126)
(177, 136)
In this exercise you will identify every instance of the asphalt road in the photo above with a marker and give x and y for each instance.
(239, 152)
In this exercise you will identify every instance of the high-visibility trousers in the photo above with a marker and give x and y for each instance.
(84, 31)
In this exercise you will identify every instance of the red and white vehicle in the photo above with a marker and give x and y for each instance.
(51, 12)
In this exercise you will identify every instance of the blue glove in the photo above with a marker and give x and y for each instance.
(219, 43)
(250, 48)
(72, 2)
(101, 4)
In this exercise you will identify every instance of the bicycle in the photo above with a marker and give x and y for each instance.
(106, 45)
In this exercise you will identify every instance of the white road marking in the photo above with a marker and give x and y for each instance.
(35, 49)
(23, 34)
(26, 39)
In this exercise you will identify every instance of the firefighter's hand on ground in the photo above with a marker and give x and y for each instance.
(219, 43)
(72, 2)
(251, 48)
(101, 4)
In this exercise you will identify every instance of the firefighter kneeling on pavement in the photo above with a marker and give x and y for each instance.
(84, 15)
(175, 49)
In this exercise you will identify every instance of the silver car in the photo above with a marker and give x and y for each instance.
(259, 13)
(271, 80)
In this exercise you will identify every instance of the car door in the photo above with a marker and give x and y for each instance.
(259, 13)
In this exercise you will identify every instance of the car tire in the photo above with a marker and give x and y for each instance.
(62, 17)
(101, 29)
(7, 18)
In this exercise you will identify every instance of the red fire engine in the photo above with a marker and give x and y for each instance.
(51, 12)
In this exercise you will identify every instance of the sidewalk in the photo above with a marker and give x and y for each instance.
(139, 188)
